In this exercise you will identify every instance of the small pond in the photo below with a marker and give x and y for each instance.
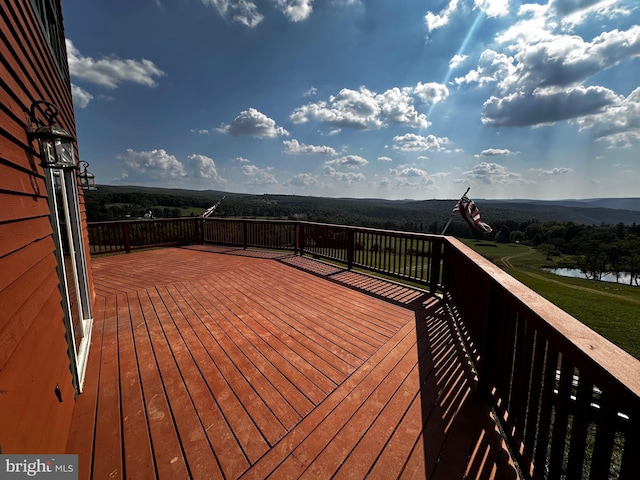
(577, 273)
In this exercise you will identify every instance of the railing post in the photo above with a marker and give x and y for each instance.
(127, 240)
(489, 331)
(301, 238)
(245, 234)
(436, 260)
(200, 225)
(350, 248)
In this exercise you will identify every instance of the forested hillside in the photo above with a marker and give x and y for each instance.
(430, 216)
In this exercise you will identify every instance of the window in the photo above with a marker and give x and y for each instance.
(50, 18)
(62, 186)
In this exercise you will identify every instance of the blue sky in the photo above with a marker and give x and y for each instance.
(355, 98)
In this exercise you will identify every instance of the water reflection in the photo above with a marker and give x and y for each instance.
(623, 278)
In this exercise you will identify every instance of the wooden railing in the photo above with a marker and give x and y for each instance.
(411, 257)
(567, 400)
(281, 235)
(125, 236)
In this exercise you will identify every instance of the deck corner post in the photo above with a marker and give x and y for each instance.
(435, 267)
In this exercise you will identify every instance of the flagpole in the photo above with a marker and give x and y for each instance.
(452, 213)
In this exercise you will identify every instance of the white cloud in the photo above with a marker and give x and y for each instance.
(551, 172)
(259, 176)
(241, 11)
(431, 93)
(619, 123)
(295, 10)
(410, 182)
(81, 97)
(492, 67)
(157, 166)
(385, 159)
(575, 12)
(411, 172)
(434, 21)
(457, 60)
(567, 60)
(151, 165)
(385, 183)
(491, 152)
(110, 72)
(348, 177)
(542, 71)
(246, 12)
(309, 93)
(293, 147)
(417, 143)
(363, 109)
(566, 7)
(304, 180)
(396, 106)
(204, 167)
(351, 161)
(491, 174)
(493, 8)
(410, 176)
(254, 123)
(545, 106)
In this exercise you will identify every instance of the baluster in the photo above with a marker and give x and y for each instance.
(605, 435)
(579, 428)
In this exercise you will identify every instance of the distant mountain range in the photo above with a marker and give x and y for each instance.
(594, 211)
(632, 204)
(588, 211)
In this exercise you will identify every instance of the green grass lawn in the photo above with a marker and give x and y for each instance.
(185, 212)
(192, 211)
(611, 309)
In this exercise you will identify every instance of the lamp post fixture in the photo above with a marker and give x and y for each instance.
(56, 144)
(87, 179)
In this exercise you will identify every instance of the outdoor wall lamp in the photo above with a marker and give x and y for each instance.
(87, 179)
(56, 144)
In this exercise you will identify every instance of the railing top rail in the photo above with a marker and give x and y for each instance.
(143, 220)
(601, 358)
(429, 236)
(247, 220)
(425, 236)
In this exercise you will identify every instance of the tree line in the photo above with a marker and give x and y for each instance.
(594, 249)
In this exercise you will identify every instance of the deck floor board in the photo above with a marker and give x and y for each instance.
(206, 364)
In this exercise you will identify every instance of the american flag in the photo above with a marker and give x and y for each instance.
(471, 214)
(211, 209)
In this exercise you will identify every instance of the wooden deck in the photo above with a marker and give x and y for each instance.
(216, 363)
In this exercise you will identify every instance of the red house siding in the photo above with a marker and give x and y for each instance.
(34, 355)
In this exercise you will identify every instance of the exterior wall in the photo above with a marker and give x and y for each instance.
(34, 356)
